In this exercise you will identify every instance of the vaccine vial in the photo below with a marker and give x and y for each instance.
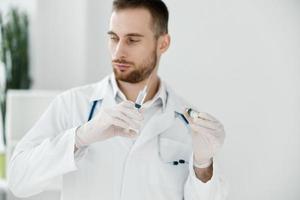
(193, 114)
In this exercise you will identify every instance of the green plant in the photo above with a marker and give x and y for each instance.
(14, 51)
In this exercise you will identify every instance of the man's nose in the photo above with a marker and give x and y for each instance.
(120, 51)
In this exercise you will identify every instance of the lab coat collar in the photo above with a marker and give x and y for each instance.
(115, 86)
(100, 90)
(103, 87)
(161, 94)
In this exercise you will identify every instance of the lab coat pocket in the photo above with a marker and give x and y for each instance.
(171, 169)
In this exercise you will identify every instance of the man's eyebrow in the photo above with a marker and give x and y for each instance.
(111, 33)
(135, 35)
(127, 35)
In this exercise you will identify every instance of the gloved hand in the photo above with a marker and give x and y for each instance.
(207, 137)
(122, 119)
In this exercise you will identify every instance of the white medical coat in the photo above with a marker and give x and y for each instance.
(109, 170)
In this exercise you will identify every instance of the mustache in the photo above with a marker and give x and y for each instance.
(122, 61)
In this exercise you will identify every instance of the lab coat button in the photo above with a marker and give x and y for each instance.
(181, 161)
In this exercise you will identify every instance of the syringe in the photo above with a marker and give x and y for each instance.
(141, 97)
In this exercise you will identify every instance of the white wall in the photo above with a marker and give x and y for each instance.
(98, 59)
(59, 50)
(244, 59)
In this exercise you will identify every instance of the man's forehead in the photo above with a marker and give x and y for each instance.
(127, 21)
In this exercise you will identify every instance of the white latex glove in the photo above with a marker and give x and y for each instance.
(207, 137)
(122, 119)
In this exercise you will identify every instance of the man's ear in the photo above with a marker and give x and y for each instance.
(164, 43)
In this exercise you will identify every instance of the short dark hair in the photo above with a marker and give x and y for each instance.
(157, 9)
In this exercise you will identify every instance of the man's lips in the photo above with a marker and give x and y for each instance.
(122, 66)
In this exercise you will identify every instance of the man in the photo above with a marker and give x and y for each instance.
(104, 147)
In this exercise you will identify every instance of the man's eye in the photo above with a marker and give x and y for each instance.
(132, 40)
(114, 38)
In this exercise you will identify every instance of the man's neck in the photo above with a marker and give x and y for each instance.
(131, 90)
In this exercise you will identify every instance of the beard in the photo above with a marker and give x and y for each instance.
(139, 73)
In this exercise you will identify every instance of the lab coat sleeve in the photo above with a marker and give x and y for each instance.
(214, 189)
(45, 153)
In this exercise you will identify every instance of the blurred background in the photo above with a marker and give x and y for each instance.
(237, 59)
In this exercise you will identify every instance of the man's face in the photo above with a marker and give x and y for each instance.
(132, 45)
